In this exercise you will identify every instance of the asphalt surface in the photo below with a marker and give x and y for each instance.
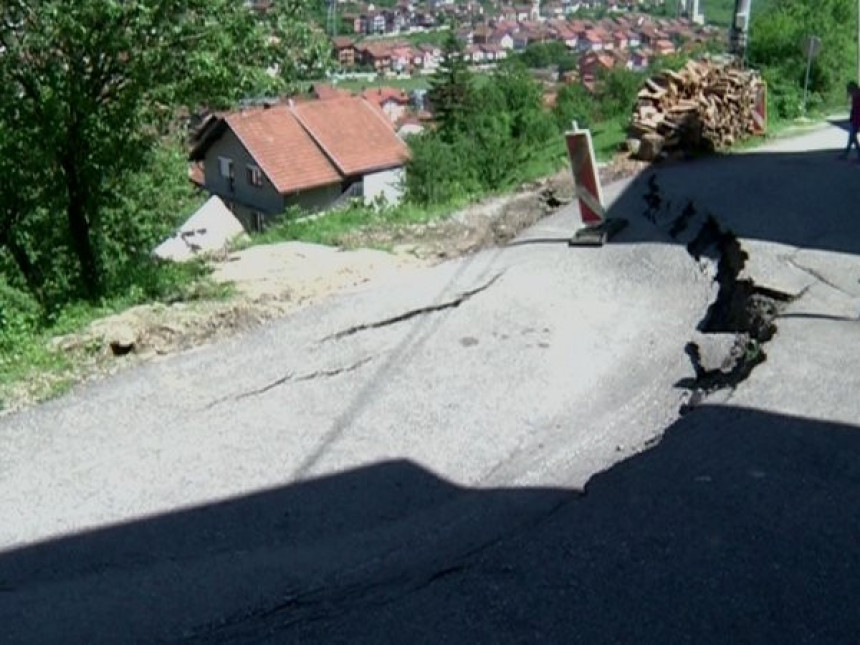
(404, 463)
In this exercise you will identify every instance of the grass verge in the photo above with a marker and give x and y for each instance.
(32, 362)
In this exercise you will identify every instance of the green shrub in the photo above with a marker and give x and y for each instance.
(19, 316)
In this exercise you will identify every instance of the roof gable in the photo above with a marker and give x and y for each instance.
(282, 149)
(355, 136)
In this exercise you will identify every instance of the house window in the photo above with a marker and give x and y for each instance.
(255, 176)
(226, 167)
(258, 221)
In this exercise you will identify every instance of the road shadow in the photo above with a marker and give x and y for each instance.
(843, 124)
(740, 526)
(800, 199)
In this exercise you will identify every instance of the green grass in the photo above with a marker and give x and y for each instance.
(406, 84)
(720, 12)
(436, 37)
(28, 357)
(333, 228)
(607, 138)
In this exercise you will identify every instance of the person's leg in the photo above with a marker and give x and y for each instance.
(851, 138)
(852, 141)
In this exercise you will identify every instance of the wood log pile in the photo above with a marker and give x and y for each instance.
(707, 105)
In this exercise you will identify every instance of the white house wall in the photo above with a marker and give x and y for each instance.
(386, 184)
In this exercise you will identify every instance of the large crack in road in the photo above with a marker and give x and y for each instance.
(412, 313)
(740, 320)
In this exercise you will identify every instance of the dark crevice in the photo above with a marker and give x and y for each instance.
(292, 378)
(412, 313)
(741, 308)
(683, 220)
(304, 377)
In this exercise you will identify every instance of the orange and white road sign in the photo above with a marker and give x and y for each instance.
(597, 229)
(580, 150)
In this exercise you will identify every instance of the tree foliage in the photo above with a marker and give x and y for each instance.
(88, 90)
(777, 36)
(487, 129)
(552, 53)
(574, 103)
(452, 91)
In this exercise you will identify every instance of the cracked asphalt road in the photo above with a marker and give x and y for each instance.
(418, 481)
(741, 524)
(534, 365)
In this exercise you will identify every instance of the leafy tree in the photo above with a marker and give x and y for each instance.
(87, 90)
(522, 99)
(568, 63)
(574, 103)
(617, 89)
(438, 172)
(777, 34)
(495, 126)
(540, 55)
(452, 92)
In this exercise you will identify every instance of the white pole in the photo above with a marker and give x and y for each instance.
(806, 82)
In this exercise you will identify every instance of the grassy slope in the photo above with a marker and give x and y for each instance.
(719, 12)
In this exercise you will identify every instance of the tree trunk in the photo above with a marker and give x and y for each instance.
(79, 228)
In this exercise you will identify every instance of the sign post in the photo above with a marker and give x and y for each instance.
(596, 228)
(811, 47)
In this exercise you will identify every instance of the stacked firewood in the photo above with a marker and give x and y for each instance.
(707, 105)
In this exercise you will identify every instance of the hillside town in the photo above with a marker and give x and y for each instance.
(631, 41)
(370, 118)
(626, 40)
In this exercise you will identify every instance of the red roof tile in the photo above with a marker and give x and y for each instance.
(325, 92)
(284, 150)
(355, 135)
(379, 95)
(341, 42)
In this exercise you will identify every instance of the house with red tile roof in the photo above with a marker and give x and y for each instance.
(401, 59)
(493, 53)
(591, 41)
(640, 59)
(344, 51)
(592, 63)
(376, 54)
(664, 47)
(263, 160)
(392, 101)
(431, 56)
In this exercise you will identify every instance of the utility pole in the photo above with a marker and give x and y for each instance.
(331, 18)
(739, 34)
